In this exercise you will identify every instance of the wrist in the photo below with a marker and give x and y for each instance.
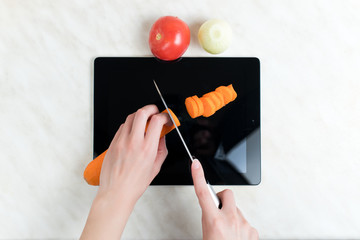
(108, 215)
(114, 200)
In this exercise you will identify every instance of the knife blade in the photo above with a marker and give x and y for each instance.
(214, 197)
(173, 121)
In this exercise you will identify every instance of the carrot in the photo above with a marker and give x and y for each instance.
(233, 93)
(220, 97)
(209, 106)
(215, 99)
(192, 107)
(210, 102)
(226, 92)
(93, 169)
(199, 105)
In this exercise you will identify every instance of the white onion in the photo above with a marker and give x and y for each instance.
(215, 36)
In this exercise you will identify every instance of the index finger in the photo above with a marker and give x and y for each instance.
(156, 124)
(201, 189)
(140, 119)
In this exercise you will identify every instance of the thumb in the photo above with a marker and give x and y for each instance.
(201, 188)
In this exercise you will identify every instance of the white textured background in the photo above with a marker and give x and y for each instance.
(310, 68)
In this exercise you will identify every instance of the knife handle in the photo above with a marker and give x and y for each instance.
(214, 197)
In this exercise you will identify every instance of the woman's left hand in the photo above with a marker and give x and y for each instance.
(132, 161)
(135, 156)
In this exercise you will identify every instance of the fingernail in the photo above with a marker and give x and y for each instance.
(196, 164)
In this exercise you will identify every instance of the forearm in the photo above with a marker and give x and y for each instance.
(108, 216)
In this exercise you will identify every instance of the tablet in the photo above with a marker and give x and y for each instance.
(226, 143)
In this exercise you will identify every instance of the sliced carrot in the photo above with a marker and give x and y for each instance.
(220, 97)
(192, 107)
(215, 99)
(233, 92)
(166, 128)
(226, 92)
(199, 105)
(93, 169)
(210, 102)
(209, 106)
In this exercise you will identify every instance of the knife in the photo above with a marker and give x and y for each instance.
(211, 190)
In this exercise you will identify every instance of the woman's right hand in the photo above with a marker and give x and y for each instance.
(225, 223)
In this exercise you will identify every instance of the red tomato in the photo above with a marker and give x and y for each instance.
(169, 38)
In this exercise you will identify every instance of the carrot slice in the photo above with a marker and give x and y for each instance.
(215, 99)
(209, 106)
(166, 129)
(199, 105)
(93, 169)
(192, 107)
(226, 92)
(221, 98)
(233, 92)
(221, 95)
